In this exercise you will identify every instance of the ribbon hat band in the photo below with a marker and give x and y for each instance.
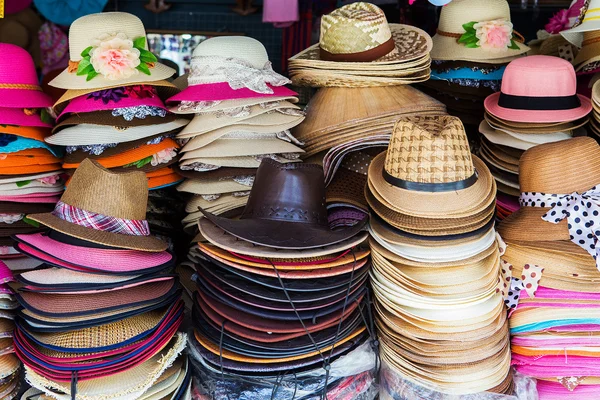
(430, 187)
(539, 103)
(100, 222)
(593, 14)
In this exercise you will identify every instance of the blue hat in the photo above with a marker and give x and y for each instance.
(64, 12)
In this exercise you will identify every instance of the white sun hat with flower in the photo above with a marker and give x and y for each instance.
(107, 50)
(477, 31)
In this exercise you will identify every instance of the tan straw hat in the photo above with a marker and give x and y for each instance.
(109, 49)
(104, 207)
(482, 18)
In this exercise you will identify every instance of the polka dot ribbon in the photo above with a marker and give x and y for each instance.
(582, 211)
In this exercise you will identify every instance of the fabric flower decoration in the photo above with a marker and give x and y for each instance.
(163, 156)
(140, 91)
(6, 139)
(494, 36)
(50, 180)
(559, 22)
(107, 95)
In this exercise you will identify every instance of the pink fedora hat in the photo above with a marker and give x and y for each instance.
(22, 117)
(538, 89)
(232, 68)
(113, 98)
(19, 86)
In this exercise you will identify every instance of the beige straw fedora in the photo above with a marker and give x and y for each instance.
(109, 201)
(453, 42)
(109, 49)
(428, 170)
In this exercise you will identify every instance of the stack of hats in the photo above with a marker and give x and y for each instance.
(30, 170)
(279, 293)
(442, 323)
(528, 112)
(474, 42)
(10, 367)
(101, 321)
(551, 259)
(242, 114)
(358, 48)
(112, 111)
(594, 125)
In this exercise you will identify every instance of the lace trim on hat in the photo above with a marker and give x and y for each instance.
(139, 112)
(199, 167)
(11, 218)
(283, 135)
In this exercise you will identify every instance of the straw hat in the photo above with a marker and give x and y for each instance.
(105, 208)
(428, 170)
(588, 21)
(549, 169)
(452, 42)
(589, 52)
(96, 37)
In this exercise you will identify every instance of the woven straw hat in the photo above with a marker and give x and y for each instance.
(550, 169)
(590, 50)
(450, 29)
(109, 33)
(428, 170)
(97, 190)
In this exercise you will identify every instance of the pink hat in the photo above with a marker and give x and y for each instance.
(232, 68)
(22, 117)
(538, 89)
(19, 86)
(6, 274)
(110, 99)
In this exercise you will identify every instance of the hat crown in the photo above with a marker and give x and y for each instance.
(459, 12)
(16, 66)
(240, 47)
(292, 192)
(96, 189)
(354, 28)
(564, 167)
(429, 150)
(529, 76)
(87, 30)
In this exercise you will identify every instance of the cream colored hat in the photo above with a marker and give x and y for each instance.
(453, 42)
(589, 21)
(108, 49)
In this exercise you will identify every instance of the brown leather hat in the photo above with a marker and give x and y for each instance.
(286, 209)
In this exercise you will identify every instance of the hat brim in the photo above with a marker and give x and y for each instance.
(526, 224)
(18, 98)
(537, 116)
(70, 80)
(575, 35)
(131, 242)
(16, 116)
(283, 234)
(222, 91)
(447, 48)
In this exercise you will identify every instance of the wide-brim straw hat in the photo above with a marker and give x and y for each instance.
(450, 29)
(587, 22)
(521, 141)
(107, 32)
(242, 147)
(193, 107)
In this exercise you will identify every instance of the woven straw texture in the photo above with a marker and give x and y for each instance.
(435, 150)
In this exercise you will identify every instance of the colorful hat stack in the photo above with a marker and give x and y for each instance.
(358, 48)
(527, 112)
(551, 262)
(10, 367)
(279, 293)
(102, 319)
(441, 321)
(112, 111)
(30, 170)
(242, 114)
(474, 42)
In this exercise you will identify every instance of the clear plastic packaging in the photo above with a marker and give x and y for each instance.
(395, 387)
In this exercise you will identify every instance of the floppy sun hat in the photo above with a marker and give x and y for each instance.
(104, 207)
(19, 85)
(232, 68)
(526, 96)
(109, 49)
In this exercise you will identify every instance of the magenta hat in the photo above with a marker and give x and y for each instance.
(110, 99)
(15, 6)
(538, 89)
(22, 117)
(19, 86)
(222, 91)
(6, 274)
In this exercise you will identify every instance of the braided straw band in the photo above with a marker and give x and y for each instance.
(430, 187)
(21, 86)
(105, 223)
(363, 56)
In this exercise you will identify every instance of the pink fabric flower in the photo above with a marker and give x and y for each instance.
(114, 56)
(494, 35)
(50, 180)
(559, 22)
(163, 156)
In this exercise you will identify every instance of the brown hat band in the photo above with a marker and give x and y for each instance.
(21, 86)
(363, 56)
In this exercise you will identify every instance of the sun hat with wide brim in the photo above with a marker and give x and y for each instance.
(193, 107)
(521, 141)
(108, 32)
(95, 190)
(526, 97)
(107, 118)
(454, 16)
(586, 22)
(241, 147)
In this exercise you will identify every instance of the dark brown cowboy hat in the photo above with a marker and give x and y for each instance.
(286, 209)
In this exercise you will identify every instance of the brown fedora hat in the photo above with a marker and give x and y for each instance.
(286, 209)
(104, 207)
